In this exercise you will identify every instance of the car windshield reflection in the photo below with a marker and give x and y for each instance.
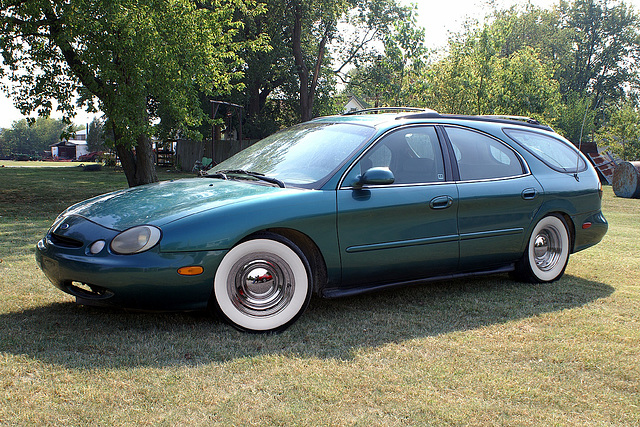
(303, 155)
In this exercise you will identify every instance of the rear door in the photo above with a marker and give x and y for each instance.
(498, 198)
(405, 230)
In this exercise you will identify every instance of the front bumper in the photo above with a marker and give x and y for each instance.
(146, 281)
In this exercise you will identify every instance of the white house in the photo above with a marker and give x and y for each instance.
(354, 104)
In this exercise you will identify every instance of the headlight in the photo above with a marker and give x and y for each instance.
(136, 240)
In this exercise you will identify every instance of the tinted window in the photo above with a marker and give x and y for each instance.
(412, 154)
(555, 153)
(482, 157)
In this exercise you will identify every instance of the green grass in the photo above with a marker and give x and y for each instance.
(481, 351)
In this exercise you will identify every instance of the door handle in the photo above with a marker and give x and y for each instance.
(441, 202)
(529, 193)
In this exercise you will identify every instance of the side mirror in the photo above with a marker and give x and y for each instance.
(375, 176)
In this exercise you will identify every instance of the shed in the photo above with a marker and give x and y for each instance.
(72, 148)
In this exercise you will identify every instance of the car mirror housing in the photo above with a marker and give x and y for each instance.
(375, 176)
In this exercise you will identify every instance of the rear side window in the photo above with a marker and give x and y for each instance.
(480, 157)
(553, 152)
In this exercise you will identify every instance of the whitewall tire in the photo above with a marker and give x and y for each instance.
(262, 285)
(547, 253)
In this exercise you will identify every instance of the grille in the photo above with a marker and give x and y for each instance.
(65, 242)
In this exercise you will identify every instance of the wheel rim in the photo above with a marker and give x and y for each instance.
(260, 285)
(547, 248)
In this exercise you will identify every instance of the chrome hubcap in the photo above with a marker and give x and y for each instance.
(547, 248)
(260, 285)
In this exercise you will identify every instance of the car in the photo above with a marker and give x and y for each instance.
(333, 207)
(90, 157)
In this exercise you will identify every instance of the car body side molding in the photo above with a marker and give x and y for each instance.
(357, 290)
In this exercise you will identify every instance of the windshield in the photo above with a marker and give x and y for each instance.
(302, 155)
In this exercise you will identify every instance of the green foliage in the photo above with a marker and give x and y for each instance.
(604, 48)
(96, 135)
(569, 66)
(522, 84)
(34, 139)
(390, 79)
(476, 79)
(621, 134)
(575, 119)
(131, 59)
(313, 44)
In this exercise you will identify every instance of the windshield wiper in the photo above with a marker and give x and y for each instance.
(257, 175)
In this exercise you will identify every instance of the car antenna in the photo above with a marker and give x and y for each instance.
(584, 119)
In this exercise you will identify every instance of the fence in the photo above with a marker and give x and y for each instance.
(187, 152)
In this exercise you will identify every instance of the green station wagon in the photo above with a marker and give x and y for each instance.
(335, 206)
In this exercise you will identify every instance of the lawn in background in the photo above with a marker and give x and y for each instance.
(478, 351)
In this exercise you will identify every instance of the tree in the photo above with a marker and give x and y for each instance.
(31, 138)
(313, 44)
(96, 135)
(621, 134)
(478, 78)
(568, 65)
(324, 32)
(593, 46)
(605, 46)
(390, 79)
(128, 58)
(522, 84)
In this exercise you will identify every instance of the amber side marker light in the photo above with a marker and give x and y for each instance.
(192, 270)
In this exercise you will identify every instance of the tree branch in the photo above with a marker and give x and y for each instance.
(94, 84)
(200, 5)
(355, 51)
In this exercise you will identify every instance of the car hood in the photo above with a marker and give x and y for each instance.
(167, 201)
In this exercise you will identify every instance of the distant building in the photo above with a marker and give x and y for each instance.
(72, 148)
(355, 104)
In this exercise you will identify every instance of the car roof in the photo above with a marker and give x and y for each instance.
(391, 115)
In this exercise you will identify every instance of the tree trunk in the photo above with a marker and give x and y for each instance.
(138, 163)
(254, 107)
(306, 102)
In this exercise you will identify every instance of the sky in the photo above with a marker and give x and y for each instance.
(439, 19)
(445, 17)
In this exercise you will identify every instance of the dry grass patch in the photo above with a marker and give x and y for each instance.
(482, 351)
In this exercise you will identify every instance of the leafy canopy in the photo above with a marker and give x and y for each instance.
(129, 58)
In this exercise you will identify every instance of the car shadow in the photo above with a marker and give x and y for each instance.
(86, 338)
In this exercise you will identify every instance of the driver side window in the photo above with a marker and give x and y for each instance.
(413, 155)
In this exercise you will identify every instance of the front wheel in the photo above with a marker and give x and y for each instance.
(262, 285)
(547, 253)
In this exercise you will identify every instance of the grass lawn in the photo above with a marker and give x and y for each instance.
(480, 351)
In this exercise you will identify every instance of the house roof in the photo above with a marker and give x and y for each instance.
(361, 103)
(66, 143)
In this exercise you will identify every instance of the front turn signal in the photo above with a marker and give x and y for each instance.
(192, 270)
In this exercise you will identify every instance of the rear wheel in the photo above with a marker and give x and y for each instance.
(263, 284)
(547, 253)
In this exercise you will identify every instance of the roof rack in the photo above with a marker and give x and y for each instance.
(388, 109)
(529, 120)
(427, 113)
(526, 121)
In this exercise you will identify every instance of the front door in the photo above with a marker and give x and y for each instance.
(402, 231)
